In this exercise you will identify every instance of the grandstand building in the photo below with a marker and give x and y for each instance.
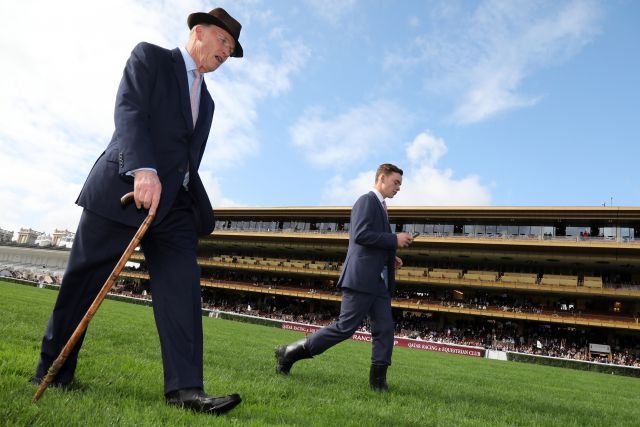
(6, 236)
(27, 236)
(572, 273)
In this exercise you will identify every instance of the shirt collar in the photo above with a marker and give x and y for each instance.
(189, 63)
(378, 195)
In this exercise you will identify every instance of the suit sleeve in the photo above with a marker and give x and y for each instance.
(364, 231)
(133, 112)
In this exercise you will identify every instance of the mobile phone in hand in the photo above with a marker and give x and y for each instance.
(415, 234)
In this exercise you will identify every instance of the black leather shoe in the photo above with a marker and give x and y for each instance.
(197, 400)
(287, 355)
(378, 378)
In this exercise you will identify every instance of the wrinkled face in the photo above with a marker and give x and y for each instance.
(212, 47)
(389, 185)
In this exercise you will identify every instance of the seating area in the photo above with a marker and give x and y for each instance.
(274, 262)
(442, 273)
(520, 278)
(592, 282)
(412, 272)
(483, 276)
(559, 280)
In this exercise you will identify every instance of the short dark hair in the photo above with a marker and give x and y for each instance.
(387, 169)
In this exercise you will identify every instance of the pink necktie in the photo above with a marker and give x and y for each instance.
(194, 96)
(384, 205)
(194, 112)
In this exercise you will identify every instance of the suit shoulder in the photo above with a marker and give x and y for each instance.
(148, 49)
(365, 199)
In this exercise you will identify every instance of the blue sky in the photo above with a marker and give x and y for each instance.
(481, 103)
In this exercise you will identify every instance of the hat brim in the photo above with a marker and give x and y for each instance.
(205, 18)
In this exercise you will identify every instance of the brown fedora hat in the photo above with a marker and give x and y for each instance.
(220, 18)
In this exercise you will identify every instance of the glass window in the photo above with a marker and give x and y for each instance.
(491, 230)
(448, 229)
(480, 229)
(502, 230)
(438, 228)
(524, 230)
(609, 233)
(409, 228)
(572, 231)
(512, 230)
(536, 230)
(428, 229)
(549, 231)
(468, 230)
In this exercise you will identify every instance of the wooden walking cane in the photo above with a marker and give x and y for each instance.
(82, 326)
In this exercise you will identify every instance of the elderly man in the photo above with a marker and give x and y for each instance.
(163, 115)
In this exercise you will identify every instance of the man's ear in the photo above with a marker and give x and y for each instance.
(199, 29)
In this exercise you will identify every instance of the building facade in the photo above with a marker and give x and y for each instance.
(522, 276)
(6, 236)
(27, 236)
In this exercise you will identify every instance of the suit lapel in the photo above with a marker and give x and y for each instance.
(181, 74)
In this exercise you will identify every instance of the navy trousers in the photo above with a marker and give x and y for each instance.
(354, 308)
(170, 253)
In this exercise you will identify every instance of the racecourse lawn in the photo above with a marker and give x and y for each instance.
(119, 379)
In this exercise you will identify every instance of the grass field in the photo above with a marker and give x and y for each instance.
(119, 380)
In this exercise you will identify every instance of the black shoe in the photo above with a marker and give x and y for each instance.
(287, 355)
(197, 400)
(378, 378)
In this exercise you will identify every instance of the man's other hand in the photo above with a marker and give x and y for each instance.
(398, 263)
(404, 240)
(146, 190)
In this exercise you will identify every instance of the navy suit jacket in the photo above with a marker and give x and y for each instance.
(372, 245)
(153, 129)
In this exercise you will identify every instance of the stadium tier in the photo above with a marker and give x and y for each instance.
(573, 271)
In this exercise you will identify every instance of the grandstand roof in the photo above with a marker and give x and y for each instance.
(621, 213)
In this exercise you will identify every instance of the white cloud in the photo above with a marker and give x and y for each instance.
(237, 92)
(349, 137)
(331, 11)
(214, 190)
(423, 184)
(480, 60)
(60, 74)
(426, 149)
(61, 70)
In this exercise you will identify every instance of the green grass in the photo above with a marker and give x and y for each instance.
(120, 380)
